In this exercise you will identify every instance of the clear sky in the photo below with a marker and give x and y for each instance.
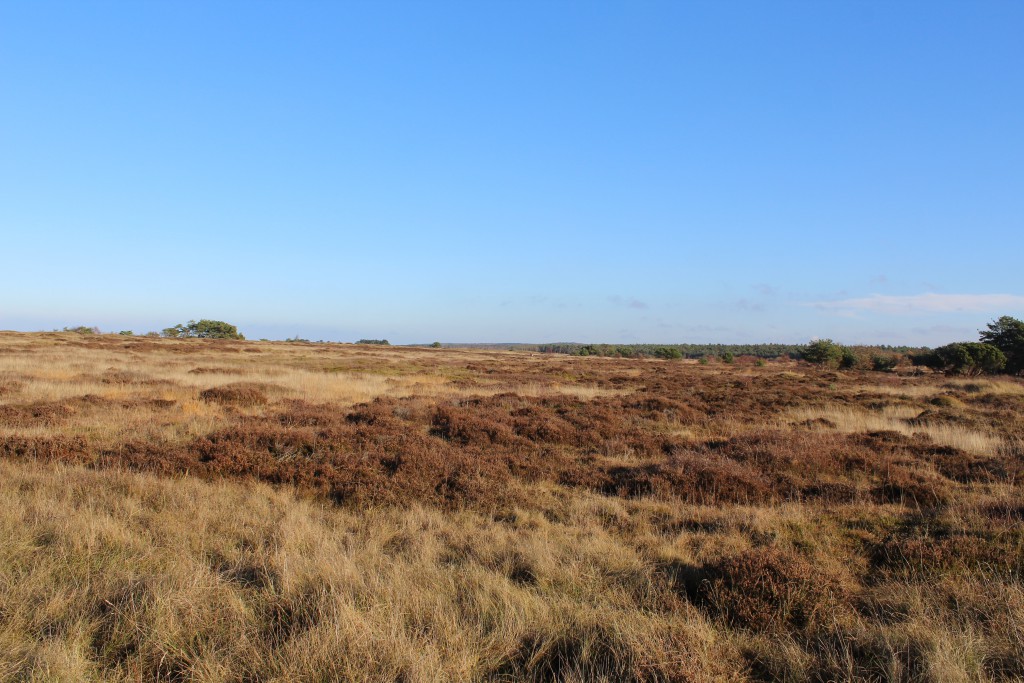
(514, 171)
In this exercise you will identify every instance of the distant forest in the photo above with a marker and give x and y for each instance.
(687, 350)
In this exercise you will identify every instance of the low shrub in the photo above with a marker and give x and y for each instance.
(884, 363)
(239, 394)
(768, 589)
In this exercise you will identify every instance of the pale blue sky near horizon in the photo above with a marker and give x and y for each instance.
(514, 171)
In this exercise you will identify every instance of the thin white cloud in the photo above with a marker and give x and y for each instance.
(628, 302)
(924, 303)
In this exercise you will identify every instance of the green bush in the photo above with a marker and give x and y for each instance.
(127, 333)
(823, 352)
(436, 345)
(884, 363)
(204, 329)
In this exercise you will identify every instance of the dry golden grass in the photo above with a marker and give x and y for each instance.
(917, 387)
(124, 576)
(490, 516)
(50, 370)
(900, 419)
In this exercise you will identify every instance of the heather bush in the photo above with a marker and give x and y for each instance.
(767, 589)
(240, 394)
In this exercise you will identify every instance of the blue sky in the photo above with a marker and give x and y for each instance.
(514, 171)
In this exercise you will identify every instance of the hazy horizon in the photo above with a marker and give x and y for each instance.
(275, 334)
(608, 173)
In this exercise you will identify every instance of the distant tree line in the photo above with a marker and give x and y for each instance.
(667, 350)
(1000, 348)
(724, 352)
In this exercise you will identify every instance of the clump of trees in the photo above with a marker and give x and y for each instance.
(379, 342)
(203, 329)
(1007, 335)
(828, 353)
(1000, 348)
(83, 329)
(965, 358)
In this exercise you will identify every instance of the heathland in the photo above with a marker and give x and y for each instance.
(212, 510)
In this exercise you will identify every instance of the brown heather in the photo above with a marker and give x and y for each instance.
(190, 510)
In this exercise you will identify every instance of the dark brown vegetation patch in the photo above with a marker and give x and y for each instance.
(767, 589)
(65, 449)
(10, 385)
(35, 414)
(238, 394)
(123, 377)
(693, 477)
(964, 467)
(911, 488)
(923, 548)
(216, 371)
(1005, 510)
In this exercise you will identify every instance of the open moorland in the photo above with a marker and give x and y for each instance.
(200, 510)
